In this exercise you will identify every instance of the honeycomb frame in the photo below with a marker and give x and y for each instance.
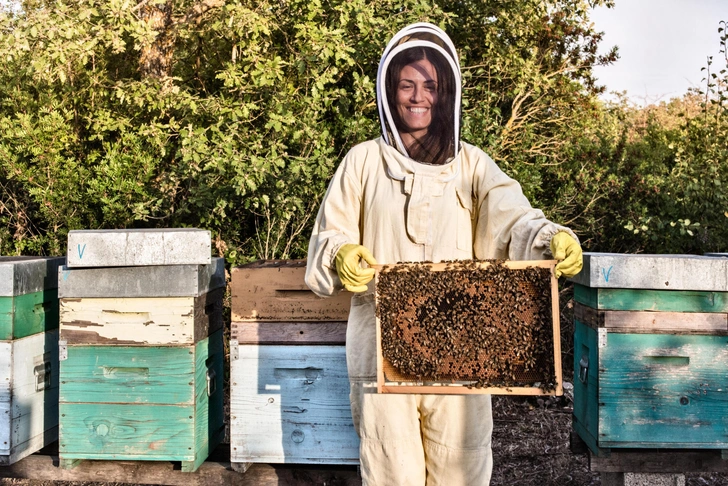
(476, 306)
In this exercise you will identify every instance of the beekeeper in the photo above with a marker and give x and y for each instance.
(419, 193)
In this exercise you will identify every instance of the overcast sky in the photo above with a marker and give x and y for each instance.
(663, 44)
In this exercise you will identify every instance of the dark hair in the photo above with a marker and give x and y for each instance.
(437, 145)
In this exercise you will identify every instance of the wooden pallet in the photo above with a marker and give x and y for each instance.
(660, 461)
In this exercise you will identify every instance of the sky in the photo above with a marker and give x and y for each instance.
(663, 44)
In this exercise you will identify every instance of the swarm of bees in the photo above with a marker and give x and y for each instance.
(482, 326)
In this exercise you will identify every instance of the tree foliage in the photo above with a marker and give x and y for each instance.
(654, 179)
(232, 115)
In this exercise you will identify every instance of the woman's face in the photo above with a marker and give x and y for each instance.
(416, 97)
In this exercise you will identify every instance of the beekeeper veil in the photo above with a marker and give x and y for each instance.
(417, 42)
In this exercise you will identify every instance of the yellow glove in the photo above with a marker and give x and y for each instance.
(352, 275)
(567, 250)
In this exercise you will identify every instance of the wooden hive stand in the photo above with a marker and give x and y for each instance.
(289, 387)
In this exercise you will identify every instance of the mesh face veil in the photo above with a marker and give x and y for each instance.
(418, 45)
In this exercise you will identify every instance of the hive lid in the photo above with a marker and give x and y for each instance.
(148, 281)
(138, 247)
(653, 272)
(26, 274)
(275, 264)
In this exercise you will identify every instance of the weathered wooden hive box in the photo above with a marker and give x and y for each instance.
(651, 352)
(28, 355)
(468, 327)
(141, 353)
(289, 386)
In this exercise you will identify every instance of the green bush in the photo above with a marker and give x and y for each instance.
(232, 116)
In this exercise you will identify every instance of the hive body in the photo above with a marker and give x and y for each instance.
(28, 355)
(468, 327)
(289, 387)
(649, 363)
(28, 314)
(141, 361)
(274, 290)
(141, 321)
(156, 403)
(290, 404)
(158, 281)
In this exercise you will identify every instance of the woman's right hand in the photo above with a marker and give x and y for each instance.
(352, 275)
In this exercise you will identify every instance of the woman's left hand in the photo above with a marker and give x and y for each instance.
(568, 251)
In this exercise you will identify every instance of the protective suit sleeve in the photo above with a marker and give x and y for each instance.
(506, 224)
(337, 224)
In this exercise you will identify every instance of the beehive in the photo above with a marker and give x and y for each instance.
(468, 327)
(651, 334)
(289, 387)
(141, 355)
(145, 403)
(28, 355)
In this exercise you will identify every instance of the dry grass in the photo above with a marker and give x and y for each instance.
(531, 444)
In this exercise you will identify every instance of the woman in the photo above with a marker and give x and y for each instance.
(418, 193)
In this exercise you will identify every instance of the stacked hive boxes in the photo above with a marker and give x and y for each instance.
(28, 355)
(141, 347)
(651, 352)
(289, 390)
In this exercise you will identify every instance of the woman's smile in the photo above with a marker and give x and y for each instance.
(416, 95)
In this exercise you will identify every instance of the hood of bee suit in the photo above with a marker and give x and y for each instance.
(417, 36)
(424, 183)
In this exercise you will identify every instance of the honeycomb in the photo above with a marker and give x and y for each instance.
(475, 323)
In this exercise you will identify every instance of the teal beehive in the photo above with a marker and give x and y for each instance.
(650, 364)
(152, 403)
(141, 354)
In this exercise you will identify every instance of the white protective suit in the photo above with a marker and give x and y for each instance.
(405, 211)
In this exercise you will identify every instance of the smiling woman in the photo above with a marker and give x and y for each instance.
(420, 97)
(416, 97)
(415, 194)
